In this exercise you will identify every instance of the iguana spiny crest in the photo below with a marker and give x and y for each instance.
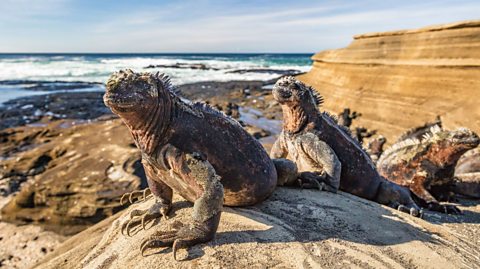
(447, 146)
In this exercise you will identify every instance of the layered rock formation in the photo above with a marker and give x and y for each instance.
(402, 79)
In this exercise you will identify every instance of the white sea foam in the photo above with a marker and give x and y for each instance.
(97, 68)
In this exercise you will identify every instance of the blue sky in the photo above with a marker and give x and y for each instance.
(210, 26)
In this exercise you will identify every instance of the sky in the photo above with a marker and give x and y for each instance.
(242, 26)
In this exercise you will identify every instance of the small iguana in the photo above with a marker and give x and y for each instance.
(375, 147)
(427, 166)
(346, 117)
(325, 152)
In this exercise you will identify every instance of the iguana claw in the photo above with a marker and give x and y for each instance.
(186, 236)
(447, 209)
(412, 210)
(142, 217)
(140, 195)
(309, 180)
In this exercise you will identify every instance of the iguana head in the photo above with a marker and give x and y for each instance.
(292, 92)
(298, 102)
(144, 101)
(375, 145)
(130, 92)
(448, 146)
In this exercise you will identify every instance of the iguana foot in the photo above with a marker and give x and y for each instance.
(414, 211)
(310, 180)
(398, 197)
(447, 209)
(139, 218)
(184, 237)
(136, 196)
(206, 210)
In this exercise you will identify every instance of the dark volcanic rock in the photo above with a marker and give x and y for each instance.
(44, 108)
(75, 173)
(182, 66)
(290, 72)
(57, 85)
(222, 90)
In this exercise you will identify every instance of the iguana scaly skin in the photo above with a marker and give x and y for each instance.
(326, 152)
(200, 153)
(427, 166)
(467, 173)
(469, 162)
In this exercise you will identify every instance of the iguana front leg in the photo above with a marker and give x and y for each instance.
(287, 172)
(163, 196)
(321, 157)
(279, 148)
(418, 188)
(206, 210)
(397, 197)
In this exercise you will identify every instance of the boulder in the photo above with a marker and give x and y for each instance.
(292, 229)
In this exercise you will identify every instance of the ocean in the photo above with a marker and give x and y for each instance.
(30, 74)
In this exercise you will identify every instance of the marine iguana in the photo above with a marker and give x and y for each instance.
(193, 149)
(427, 166)
(326, 152)
(346, 117)
(375, 147)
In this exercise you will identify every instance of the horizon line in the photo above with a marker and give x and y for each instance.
(3, 53)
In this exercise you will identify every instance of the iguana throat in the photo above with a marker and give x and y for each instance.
(294, 118)
(150, 131)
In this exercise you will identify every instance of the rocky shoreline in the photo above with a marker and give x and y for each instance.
(66, 160)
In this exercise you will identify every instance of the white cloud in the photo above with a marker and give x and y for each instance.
(181, 27)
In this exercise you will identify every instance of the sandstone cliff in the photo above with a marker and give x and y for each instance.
(402, 79)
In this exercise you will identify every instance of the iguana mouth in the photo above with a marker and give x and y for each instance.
(471, 142)
(117, 101)
(281, 95)
(467, 138)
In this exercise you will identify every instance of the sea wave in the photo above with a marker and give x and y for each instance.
(20, 75)
(98, 69)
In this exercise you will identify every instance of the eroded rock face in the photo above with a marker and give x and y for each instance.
(74, 173)
(402, 79)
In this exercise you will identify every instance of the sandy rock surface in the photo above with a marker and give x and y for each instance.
(292, 229)
(23, 246)
(402, 79)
